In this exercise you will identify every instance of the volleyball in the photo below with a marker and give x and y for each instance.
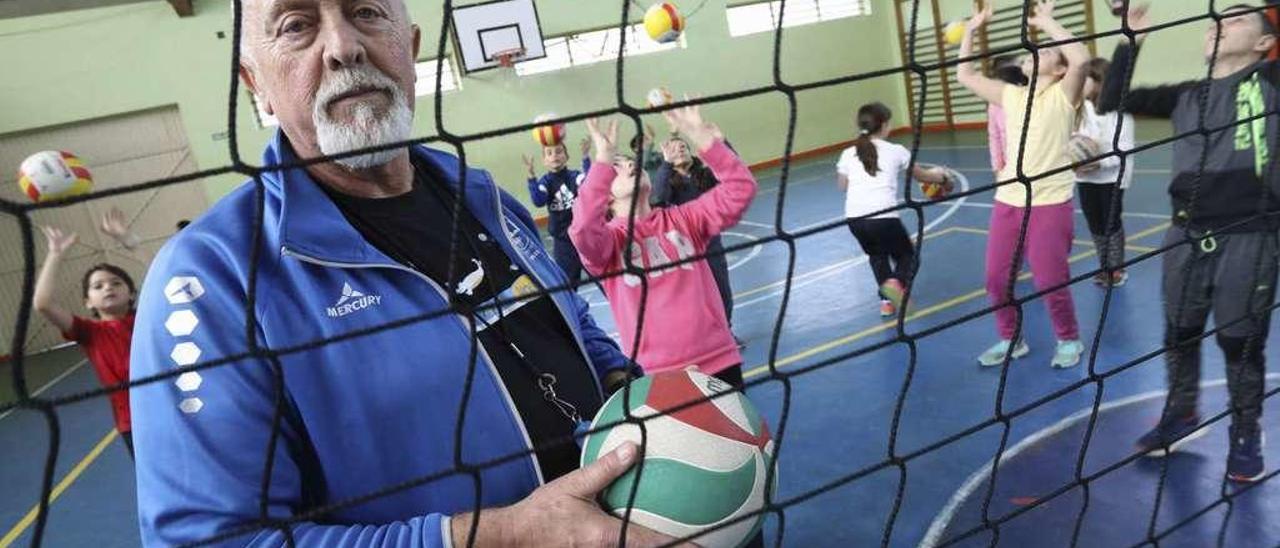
(1081, 148)
(51, 174)
(659, 97)
(938, 191)
(954, 33)
(663, 22)
(548, 135)
(704, 465)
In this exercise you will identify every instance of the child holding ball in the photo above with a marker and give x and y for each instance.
(869, 172)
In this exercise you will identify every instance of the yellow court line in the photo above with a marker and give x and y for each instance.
(788, 360)
(1086, 243)
(66, 482)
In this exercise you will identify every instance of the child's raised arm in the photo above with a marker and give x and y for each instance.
(46, 284)
(1075, 54)
(537, 192)
(723, 205)
(590, 229)
(989, 89)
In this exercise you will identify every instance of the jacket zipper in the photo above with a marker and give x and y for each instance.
(506, 396)
(582, 349)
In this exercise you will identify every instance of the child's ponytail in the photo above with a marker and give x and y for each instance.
(871, 119)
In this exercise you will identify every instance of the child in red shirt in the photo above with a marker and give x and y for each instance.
(109, 293)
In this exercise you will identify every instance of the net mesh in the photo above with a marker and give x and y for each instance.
(896, 461)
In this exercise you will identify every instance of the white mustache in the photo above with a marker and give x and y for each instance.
(367, 127)
(362, 77)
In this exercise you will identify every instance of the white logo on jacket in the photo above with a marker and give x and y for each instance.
(183, 289)
(648, 252)
(352, 301)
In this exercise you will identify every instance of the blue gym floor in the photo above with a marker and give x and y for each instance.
(841, 413)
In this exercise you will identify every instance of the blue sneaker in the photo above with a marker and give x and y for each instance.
(995, 355)
(1169, 435)
(1067, 354)
(1244, 463)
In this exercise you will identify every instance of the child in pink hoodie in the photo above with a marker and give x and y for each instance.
(684, 322)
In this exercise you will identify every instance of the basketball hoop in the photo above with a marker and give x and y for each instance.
(508, 58)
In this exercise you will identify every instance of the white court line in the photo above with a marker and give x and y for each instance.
(755, 224)
(934, 535)
(50, 384)
(755, 249)
(1126, 213)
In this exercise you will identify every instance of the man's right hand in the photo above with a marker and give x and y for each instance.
(561, 513)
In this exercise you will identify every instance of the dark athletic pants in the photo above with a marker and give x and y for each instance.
(1233, 277)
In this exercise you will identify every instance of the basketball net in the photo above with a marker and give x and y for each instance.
(506, 74)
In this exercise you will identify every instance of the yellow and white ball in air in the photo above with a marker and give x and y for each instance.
(548, 135)
(954, 33)
(51, 174)
(659, 97)
(663, 22)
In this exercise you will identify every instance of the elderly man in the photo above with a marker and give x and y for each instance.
(1225, 193)
(347, 246)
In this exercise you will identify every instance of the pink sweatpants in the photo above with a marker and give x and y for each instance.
(1047, 247)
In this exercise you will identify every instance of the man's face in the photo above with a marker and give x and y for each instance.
(338, 74)
(1239, 35)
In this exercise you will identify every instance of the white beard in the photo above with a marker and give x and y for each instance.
(368, 127)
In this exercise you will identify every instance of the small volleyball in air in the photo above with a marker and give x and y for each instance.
(548, 135)
(663, 22)
(1081, 148)
(659, 97)
(938, 191)
(52, 174)
(954, 33)
(704, 464)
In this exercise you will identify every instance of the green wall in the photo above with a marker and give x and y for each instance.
(108, 61)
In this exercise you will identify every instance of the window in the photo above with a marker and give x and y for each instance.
(760, 17)
(425, 85)
(588, 48)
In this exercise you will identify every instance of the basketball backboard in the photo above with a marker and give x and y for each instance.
(483, 30)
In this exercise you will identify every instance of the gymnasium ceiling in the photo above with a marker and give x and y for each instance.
(10, 9)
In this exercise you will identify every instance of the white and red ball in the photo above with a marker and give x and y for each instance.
(659, 97)
(548, 135)
(52, 174)
(663, 22)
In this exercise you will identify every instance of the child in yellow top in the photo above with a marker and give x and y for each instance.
(1055, 96)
